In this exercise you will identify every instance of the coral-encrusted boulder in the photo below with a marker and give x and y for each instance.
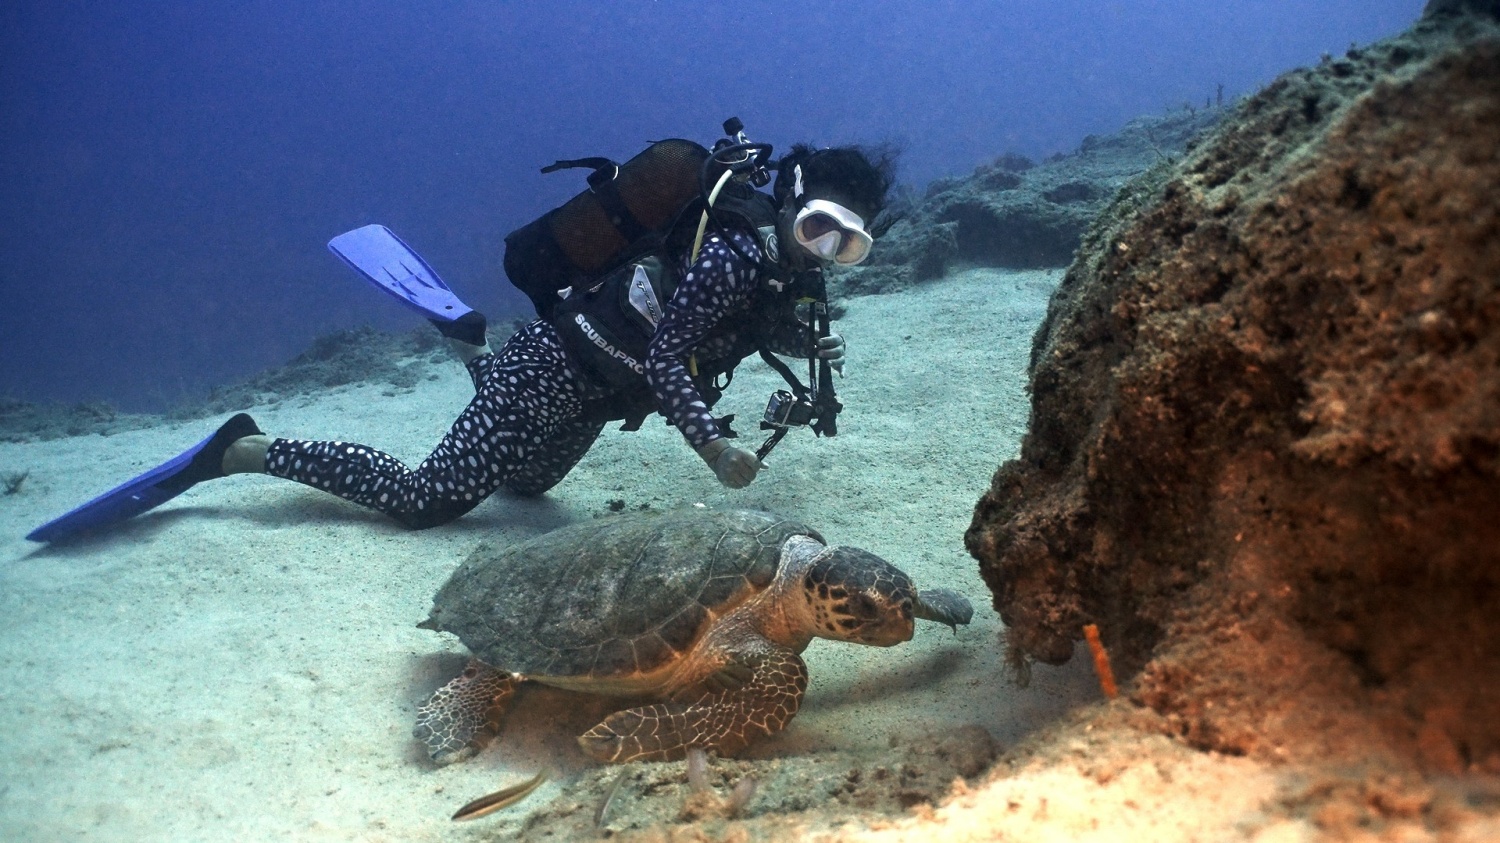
(1264, 452)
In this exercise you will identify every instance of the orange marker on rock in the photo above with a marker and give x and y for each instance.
(1101, 662)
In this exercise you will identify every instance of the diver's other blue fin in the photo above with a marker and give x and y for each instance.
(391, 265)
(201, 462)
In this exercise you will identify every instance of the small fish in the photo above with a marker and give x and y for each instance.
(609, 798)
(486, 805)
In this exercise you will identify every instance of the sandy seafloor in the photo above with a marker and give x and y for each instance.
(242, 663)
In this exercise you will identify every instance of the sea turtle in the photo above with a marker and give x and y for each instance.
(700, 613)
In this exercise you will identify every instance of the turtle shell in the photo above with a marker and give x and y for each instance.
(613, 597)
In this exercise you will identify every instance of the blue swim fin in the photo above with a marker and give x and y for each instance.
(203, 461)
(391, 265)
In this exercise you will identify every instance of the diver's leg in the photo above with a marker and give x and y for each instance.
(476, 358)
(468, 338)
(528, 393)
(248, 455)
(548, 466)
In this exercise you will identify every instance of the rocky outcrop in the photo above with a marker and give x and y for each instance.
(1264, 449)
(1013, 214)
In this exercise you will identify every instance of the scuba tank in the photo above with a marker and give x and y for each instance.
(593, 232)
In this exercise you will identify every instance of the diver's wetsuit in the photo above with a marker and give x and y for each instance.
(531, 421)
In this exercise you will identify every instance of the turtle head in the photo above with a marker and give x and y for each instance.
(856, 596)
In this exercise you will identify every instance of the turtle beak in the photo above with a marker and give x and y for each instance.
(895, 627)
(888, 635)
(907, 632)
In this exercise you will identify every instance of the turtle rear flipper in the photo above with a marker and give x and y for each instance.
(724, 722)
(464, 715)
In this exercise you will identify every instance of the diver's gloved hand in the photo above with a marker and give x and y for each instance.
(468, 328)
(733, 466)
(831, 348)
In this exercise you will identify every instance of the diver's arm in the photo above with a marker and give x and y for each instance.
(790, 336)
(718, 283)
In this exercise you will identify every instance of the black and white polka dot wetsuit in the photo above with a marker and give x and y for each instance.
(713, 317)
(524, 430)
(532, 417)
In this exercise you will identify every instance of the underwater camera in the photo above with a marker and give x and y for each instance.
(787, 410)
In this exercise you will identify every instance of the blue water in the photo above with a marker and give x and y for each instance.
(171, 170)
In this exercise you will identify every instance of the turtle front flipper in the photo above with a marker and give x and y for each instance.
(464, 715)
(723, 721)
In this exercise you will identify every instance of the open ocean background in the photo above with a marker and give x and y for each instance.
(171, 170)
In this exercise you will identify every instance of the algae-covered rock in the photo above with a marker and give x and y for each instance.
(1264, 450)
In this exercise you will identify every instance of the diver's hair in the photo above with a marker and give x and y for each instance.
(864, 174)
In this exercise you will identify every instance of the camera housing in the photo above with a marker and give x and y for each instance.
(787, 410)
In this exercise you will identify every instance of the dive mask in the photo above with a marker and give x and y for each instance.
(832, 232)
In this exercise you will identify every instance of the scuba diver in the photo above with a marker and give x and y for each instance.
(662, 334)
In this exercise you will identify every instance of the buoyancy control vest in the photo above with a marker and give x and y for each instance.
(624, 212)
(607, 325)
